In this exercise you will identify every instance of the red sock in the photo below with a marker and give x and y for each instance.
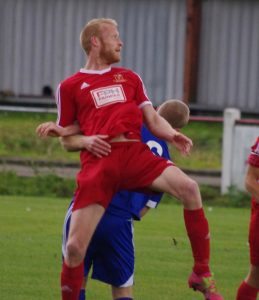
(71, 281)
(246, 292)
(198, 231)
(253, 234)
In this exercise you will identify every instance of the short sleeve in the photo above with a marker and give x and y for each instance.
(141, 93)
(65, 105)
(253, 158)
(153, 200)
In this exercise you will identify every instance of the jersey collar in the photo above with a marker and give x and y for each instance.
(82, 70)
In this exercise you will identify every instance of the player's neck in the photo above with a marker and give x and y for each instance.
(96, 64)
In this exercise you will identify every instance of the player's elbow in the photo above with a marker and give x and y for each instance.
(65, 145)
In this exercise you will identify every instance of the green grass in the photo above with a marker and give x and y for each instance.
(30, 237)
(207, 146)
(50, 185)
(18, 139)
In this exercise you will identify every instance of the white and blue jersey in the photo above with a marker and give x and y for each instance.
(111, 251)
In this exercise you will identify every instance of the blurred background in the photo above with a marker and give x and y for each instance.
(202, 51)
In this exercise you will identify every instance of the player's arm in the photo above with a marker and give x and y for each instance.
(162, 129)
(144, 211)
(54, 130)
(251, 181)
(66, 123)
(95, 144)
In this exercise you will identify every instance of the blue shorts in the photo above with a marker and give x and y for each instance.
(111, 251)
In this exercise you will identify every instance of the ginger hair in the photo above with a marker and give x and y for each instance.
(93, 28)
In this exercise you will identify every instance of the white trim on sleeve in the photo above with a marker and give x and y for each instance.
(147, 102)
(151, 204)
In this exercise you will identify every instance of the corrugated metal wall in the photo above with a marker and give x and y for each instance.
(39, 46)
(40, 42)
(229, 55)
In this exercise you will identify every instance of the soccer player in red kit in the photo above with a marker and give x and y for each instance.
(249, 288)
(109, 104)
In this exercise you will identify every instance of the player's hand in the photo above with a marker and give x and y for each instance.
(49, 129)
(97, 145)
(182, 143)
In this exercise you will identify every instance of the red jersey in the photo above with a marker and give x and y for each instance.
(103, 102)
(253, 158)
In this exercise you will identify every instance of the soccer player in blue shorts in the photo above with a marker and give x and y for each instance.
(111, 251)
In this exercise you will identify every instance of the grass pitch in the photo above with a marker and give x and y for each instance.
(30, 249)
(18, 138)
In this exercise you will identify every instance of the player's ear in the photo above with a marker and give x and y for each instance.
(95, 41)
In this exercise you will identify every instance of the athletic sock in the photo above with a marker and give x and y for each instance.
(246, 292)
(198, 231)
(82, 294)
(253, 234)
(71, 281)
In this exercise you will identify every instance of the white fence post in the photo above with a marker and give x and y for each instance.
(230, 116)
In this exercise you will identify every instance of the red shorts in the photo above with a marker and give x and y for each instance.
(130, 166)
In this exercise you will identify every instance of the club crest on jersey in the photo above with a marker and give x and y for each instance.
(108, 95)
(118, 78)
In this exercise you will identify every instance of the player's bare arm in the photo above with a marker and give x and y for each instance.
(95, 144)
(144, 211)
(53, 130)
(251, 181)
(162, 129)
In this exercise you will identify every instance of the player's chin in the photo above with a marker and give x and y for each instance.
(117, 57)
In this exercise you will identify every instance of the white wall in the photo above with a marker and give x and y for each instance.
(237, 141)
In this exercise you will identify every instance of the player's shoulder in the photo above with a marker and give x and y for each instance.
(125, 71)
(72, 79)
(121, 70)
(253, 158)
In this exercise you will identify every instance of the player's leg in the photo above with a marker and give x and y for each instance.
(82, 226)
(246, 292)
(87, 266)
(249, 288)
(175, 182)
(89, 256)
(113, 262)
(178, 184)
(122, 293)
(82, 295)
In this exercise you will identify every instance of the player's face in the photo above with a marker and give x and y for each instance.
(111, 44)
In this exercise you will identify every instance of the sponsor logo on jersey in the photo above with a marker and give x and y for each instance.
(108, 95)
(118, 78)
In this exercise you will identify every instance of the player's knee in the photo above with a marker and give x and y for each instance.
(74, 252)
(190, 191)
(254, 272)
